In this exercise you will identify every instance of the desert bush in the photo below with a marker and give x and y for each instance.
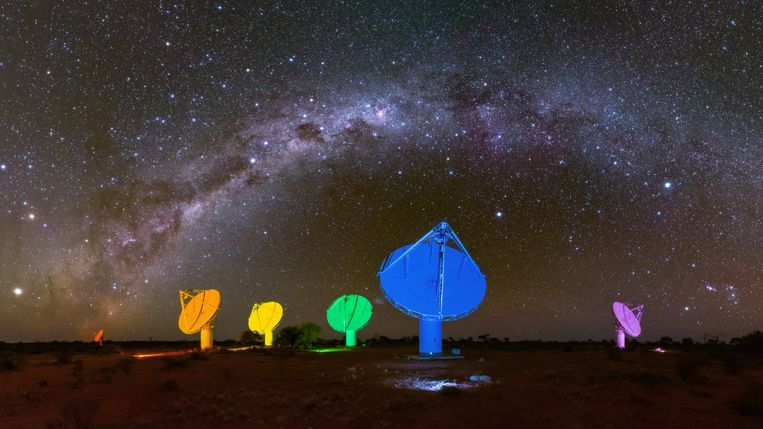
(299, 336)
(666, 341)
(752, 342)
(248, 338)
(749, 400)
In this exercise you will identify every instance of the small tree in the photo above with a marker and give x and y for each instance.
(299, 336)
(249, 337)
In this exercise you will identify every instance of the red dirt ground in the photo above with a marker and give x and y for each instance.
(554, 389)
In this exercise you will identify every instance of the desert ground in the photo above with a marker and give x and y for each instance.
(560, 386)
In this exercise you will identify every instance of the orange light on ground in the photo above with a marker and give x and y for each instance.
(150, 355)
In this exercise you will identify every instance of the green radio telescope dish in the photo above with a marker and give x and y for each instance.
(348, 314)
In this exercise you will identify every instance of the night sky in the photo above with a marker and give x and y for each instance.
(583, 153)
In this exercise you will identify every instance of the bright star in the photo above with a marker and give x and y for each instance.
(499, 214)
(18, 291)
(667, 185)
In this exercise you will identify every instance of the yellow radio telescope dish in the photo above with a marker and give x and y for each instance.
(265, 318)
(200, 307)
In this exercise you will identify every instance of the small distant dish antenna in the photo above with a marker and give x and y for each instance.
(265, 318)
(200, 308)
(98, 337)
(433, 282)
(627, 321)
(347, 314)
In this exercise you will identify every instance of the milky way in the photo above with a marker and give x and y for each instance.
(274, 151)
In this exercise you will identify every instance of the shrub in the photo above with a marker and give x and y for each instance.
(248, 337)
(666, 341)
(299, 336)
(752, 342)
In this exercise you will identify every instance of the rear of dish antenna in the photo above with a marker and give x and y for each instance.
(265, 318)
(200, 308)
(627, 321)
(347, 314)
(434, 280)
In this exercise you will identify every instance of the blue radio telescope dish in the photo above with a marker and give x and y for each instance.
(433, 282)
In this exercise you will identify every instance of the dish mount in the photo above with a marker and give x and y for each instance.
(627, 321)
(434, 282)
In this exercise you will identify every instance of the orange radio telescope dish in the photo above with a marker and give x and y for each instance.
(200, 308)
(98, 338)
(265, 318)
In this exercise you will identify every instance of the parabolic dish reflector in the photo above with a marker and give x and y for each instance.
(410, 276)
(98, 336)
(200, 311)
(265, 317)
(349, 313)
(629, 319)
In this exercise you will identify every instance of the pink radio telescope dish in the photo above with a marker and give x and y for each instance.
(628, 321)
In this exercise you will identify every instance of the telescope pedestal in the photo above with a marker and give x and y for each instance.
(620, 337)
(268, 338)
(430, 336)
(350, 339)
(206, 338)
